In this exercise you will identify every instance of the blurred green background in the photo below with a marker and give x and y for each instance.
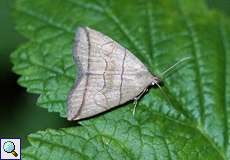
(19, 115)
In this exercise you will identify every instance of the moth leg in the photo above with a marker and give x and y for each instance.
(137, 98)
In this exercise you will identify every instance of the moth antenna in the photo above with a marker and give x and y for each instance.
(173, 66)
(163, 93)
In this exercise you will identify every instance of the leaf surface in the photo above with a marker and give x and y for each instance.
(191, 122)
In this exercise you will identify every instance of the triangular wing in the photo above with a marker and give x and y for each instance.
(109, 75)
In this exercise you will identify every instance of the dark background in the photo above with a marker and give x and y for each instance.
(19, 115)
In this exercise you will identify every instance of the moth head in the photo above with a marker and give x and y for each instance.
(156, 82)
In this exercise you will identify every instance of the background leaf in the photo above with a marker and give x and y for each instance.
(195, 125)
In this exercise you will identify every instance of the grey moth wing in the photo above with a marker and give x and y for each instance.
(108, 75)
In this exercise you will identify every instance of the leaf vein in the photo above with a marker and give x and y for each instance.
(43, 18)
(224, 43)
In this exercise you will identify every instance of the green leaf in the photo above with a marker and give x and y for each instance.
(192, 123)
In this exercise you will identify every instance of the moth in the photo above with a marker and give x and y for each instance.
(108, 75)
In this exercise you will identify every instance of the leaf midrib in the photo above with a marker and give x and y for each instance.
(224, 40)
